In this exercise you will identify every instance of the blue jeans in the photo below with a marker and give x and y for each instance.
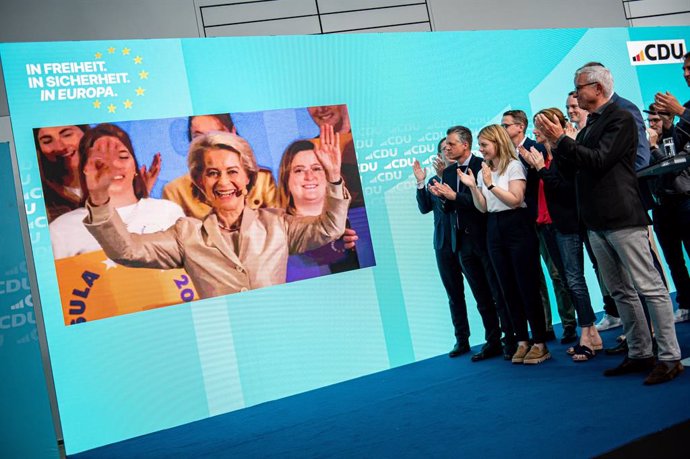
(570, 247)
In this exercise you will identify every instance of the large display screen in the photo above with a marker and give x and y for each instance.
(146, 346)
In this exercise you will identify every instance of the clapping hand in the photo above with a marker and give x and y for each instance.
(419, 171)
(328, 153)
(442, 190)
(570, 130)
(486, 174)
(550, 128)
(439, 165)
(667, 102)
(467, 178)
(533, 157)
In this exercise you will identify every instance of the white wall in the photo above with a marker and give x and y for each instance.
(63, 20)
(526, 14)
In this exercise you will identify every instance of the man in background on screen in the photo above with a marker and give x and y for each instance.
(446, 258)
(338, 117)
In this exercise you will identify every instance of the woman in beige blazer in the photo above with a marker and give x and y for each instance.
(235, 248)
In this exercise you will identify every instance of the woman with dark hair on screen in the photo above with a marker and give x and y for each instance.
(511, 240)
(58, 159)
(235, 248)
(567, 254)
(128, 194)
(302, 191)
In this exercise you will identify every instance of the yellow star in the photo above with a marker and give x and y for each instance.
(144, 75)
(125, 51)
(111, 108)
(140, 91)
(96, 104)
(127, 103)
(98, 55)
(138, 60)
(111, 50)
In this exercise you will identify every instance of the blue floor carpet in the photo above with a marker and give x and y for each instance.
(442, 407)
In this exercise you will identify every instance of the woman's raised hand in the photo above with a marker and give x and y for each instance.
(328, 153)
(151, 175)
(100, 169)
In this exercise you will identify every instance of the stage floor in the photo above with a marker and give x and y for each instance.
(443, 407)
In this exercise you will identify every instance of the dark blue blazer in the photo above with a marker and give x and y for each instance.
(427, 202)
(532, 189)
(466, 220)
(643, 150)
(608, 195)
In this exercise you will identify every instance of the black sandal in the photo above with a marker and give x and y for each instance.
(583, 353)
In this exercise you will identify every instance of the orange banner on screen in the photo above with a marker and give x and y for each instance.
(93, 287)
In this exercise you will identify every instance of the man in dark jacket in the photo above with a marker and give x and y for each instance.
(610, 206)
(446, 258)
(672, 216)
(468, 238)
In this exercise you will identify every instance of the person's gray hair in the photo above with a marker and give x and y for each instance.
(223, 141)
(464, 134)
(597, 74)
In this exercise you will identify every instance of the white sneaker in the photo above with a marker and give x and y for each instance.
(681, 315)
(607, 322)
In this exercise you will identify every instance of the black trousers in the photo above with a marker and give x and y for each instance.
(480, 275)
(451, 277)
(672, 228)
(514, 252)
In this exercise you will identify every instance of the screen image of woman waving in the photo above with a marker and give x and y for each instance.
(234, 248)
(302, 191)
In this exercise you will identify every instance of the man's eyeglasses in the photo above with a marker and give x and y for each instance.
(507, 125)
(580, 86)
(653, 120)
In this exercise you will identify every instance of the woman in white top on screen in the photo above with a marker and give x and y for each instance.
(512, 239)
(128, 194)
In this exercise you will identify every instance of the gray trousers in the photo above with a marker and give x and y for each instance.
(625, 263)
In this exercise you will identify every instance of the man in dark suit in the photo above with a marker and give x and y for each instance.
(611, 208)
(515, 123)
(672, 216)
(468, 240)
(446, 259)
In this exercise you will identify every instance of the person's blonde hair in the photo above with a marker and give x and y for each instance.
(223, 141)
(505, 150)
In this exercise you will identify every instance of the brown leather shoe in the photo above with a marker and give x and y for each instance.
(520, 353)
(631, 366)
(663, 372)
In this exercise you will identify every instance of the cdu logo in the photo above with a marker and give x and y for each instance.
(656, 52)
